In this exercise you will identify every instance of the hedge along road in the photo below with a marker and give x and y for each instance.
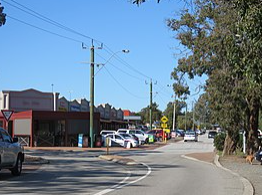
(71, 173)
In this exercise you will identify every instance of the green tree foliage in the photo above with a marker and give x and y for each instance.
(185, 121)
(223, 41)
(138, 2)
(169, 111)
(202, 111)
(156, 113)
(2, 16)
(219, 141)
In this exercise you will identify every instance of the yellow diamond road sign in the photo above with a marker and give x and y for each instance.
(164, 119)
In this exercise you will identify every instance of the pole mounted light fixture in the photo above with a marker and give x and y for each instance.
(125, 51)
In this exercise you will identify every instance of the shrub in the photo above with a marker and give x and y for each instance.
(219, 141)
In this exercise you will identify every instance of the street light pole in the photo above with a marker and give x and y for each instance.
(150, 112)
(92, 51)
(193, 112)
(186, 118)
(92, 76)
(174, 114)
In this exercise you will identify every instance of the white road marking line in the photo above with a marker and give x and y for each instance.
(121, 185)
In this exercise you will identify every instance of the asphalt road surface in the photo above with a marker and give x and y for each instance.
(163, 171)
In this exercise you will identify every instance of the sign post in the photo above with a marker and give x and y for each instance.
(164, 120)
(7, 115)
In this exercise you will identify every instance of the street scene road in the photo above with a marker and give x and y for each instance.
(131, 97)
(162, 171)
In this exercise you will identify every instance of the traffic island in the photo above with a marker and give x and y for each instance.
(34, 160)
(119, 159)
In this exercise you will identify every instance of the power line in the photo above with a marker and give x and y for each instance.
(46, 19)
(160, 97)
(50, 21)
(125, 63)
(125, 89)
(118, 69)
(50, 32)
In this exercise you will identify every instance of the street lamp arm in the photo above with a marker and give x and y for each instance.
(124, 51)
(103, 64)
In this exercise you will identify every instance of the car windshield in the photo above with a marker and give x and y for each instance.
(126, 135)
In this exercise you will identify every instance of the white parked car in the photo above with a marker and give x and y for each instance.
(190, 136)
(104, 133)
(142, 136)
(259, 134)
(115, 140)
(11, 153)
(130, 138)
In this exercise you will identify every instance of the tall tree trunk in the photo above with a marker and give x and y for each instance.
(252, 137)
(230, 144)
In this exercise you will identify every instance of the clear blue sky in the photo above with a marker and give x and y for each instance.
(33, 58)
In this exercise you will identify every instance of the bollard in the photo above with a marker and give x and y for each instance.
(107, 145)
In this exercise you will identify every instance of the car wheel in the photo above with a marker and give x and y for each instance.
(16, 171)
(185, 140)
(146, 141)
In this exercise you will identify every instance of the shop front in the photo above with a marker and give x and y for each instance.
(50, 129)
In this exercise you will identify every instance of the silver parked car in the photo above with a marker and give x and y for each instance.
(11, 153)
(190, 136)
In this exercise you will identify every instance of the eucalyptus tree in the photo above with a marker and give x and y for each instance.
(248, 62)
(169, 111)
(2, 16)
(202, 111)
(156, 113)
(223, 40)
(208, 34)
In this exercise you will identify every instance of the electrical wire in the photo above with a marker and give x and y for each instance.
(106, 48)
(48, 20)
(117, 69)
(39, 28)
(163, 89)
(160, 97)
(125, 89)
(125, 63)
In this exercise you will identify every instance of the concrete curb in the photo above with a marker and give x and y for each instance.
(248, 188)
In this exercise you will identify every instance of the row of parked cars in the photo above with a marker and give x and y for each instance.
(123, 137)
(131, 137)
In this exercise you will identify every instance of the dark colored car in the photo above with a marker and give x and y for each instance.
(180, 133)
(212, 134)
